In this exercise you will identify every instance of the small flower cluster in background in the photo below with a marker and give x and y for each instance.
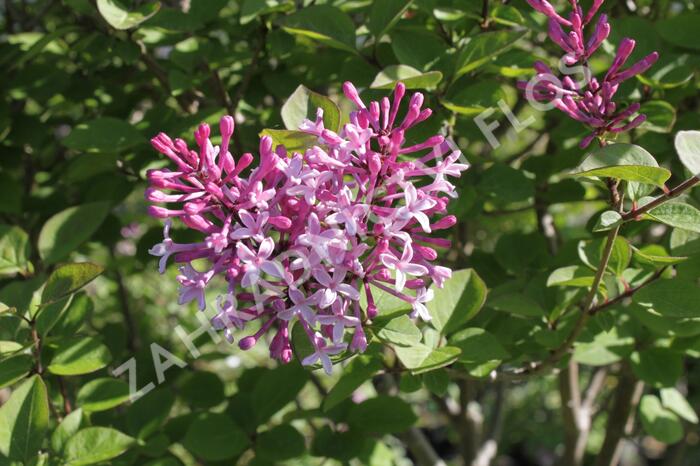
(301, 236)
(590, 102)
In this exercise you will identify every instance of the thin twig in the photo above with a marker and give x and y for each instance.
(628, 293)
(634, 214)
(588, 303)
(67, 408)
(133, 340)
(37, 348)
(485, 14)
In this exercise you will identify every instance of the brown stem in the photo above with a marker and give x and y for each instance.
(577, 412)
(224, 98)
(675, 192)
(485, 14)
(471, 424)
(37, 348)
(489, 447)
(67, 408)
(582, 319)
(570, 395)
(585, 313)
(626, 294)
(133, 341)
(620, 418)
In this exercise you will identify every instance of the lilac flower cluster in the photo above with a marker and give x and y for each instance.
(300, 236)
(590, 102)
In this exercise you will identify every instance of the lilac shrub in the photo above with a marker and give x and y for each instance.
(300, 236)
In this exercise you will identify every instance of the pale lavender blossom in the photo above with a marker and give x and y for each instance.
(301, 236)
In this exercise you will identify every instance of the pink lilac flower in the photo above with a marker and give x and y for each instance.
(592, 102)
(299, 237)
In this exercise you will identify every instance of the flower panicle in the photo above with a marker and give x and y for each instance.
(590, 102)
(299, 237)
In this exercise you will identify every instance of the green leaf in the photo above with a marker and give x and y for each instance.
(280, 443)
(382, 415)
(483, 48)
(421, 358)
(361, 369)
(400, 331)
(671, 298)
(658, 421)
(104, 135)
(437, 381)
(677, 215)
(673, 399)
(658, 367)
(149, 412)
(591, 253)
(7, 347)
(73, 318)
(670, 71)
(79, 355)
(339, 445)
(14, 368)
(120, 18)
(14, 251)
(24, 420)
(504, 185)
(323, 23)
(663, 325)
(623, 161)
(94, 445)
(50, 314)
(516, 303)
(661, 116)
(67, 279)
(68, 427)
(572, 275)
(252, 9)
(11, 191)
(385, 14)
(681, 30)
(688, 147)
(388, 305)
(656, 255)
(607, 221)
(411, 77)
(603, 351)
(458, 301)
(22, 295)
(68, 229)
(476, 98)
(302, 104)
(268, 399)
(215, 437)
(417, 47)
(102, 394)
(293, 141)
(193, 384)
(478, 346)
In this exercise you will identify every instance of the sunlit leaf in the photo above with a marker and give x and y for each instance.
(68, 229)
(120, 18)
(24, 419)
